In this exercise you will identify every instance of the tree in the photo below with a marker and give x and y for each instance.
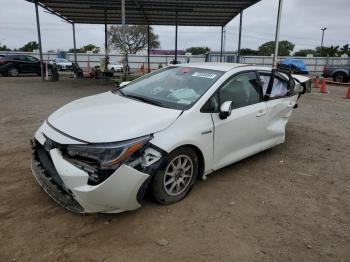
(85, 48)
(345, 50)
(331, 51)
(4, 48)
(197, 50)
(304, 52)
(136, 38)
(29, 47)
(284, 48)
(248, 51)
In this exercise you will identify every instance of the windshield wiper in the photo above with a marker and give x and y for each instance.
(143, 99)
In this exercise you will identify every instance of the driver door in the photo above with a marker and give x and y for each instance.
(240, 134)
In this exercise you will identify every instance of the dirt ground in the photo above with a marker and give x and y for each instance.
(289, 203)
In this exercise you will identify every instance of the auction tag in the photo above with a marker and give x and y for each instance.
(204, 75)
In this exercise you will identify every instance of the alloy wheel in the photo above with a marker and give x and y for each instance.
(13, 71)
(178, 175)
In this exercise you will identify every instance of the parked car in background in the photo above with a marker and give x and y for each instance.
(340, 74)
(160, 133)
(14, 65)
(178, 62)
(297, 66)
(62, 64)
(115, 66)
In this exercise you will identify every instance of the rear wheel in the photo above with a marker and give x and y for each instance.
(173, 182)
(13, 71)
(340, 77)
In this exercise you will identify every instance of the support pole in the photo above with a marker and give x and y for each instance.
(280, 3)
(239, 37)
(148, 49)
(74, 43)
(39, 40)
(222, 43)
(125, 67)
(106, 43)
(176, 38)
(323, 29)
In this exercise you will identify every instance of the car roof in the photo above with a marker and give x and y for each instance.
(222, 66)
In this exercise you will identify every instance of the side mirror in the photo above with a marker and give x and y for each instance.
(124, 84)
(225, 110)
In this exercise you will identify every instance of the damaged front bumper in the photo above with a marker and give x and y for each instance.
(68, 184)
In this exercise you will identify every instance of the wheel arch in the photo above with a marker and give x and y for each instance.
(201, 161)
(340, 71)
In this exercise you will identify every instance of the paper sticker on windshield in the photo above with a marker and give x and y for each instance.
(204, 75)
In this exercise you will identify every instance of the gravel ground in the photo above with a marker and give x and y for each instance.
(289, 203)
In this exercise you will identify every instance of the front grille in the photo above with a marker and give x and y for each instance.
(48, 178)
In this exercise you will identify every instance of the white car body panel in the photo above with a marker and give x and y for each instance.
(110, 117)
(114, 195)
(240, 135)
(278, 113)
(46, 130)
(189, 130)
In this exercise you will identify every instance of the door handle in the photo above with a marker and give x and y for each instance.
(261, 113)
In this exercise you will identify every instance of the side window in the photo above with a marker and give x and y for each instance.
(212, 105)
(32, 59)
(20, 58)
(242, 90)
(279, 87)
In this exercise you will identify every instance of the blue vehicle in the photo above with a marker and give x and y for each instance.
(297, 66)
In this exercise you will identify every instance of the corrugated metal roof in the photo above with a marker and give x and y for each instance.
(153, 12)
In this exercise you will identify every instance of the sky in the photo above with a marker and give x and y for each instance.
(301, 23)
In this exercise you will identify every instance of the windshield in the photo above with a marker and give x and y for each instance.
(172, 87)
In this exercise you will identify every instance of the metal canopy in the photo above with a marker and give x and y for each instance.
(148, 12)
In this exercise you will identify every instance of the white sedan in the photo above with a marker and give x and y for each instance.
(115, 67)
(160, 133)
(62, 64)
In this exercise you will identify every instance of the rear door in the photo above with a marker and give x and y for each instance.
(22, 63)
(241, 134)
(280, 100)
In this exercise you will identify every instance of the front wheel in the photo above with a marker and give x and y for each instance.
(13, 71)
(174, 181)
(340, 78)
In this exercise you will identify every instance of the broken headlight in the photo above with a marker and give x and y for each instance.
(101, 160)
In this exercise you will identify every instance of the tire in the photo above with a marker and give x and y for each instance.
(113, 70)
(175, 179)
(340, 77)
(13, 71)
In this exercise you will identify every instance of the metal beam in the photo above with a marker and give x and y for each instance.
(106, 44)
(280, 3)
(74, 43)
(50, 10)
(239, 37)
(39, 40)
(148, 49)
(125, 67)
(175, 60)
(222, 43)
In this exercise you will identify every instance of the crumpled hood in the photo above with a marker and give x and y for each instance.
(109, 117)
